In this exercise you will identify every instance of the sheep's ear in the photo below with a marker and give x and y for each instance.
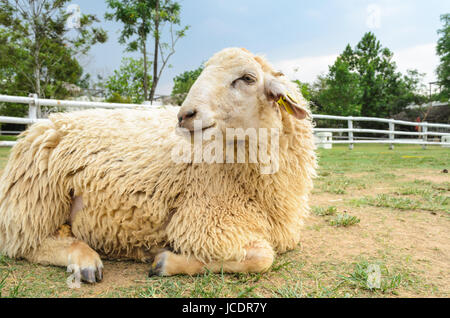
(277, 91)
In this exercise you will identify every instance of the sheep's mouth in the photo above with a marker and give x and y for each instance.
(182, 131)
(203, 129)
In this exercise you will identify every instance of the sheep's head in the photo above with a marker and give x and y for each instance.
(240, 90)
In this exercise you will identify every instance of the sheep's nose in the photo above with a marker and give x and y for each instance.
(186, 115)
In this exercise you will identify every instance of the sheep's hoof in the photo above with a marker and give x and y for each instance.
(158, 266)
(92, 275)
(88, 274)
(85, 263)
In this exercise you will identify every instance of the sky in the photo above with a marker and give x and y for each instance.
(301, 38)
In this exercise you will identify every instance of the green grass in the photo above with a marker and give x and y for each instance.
(321, 211)
(379, 159)
(8, 138)
(427, 202)
(375, 276)
(340, 184)
(344, 219)
(339, 219)
(290, 291)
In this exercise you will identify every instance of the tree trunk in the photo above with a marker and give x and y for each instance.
(37, 71)
(155, 59)
(144, 48)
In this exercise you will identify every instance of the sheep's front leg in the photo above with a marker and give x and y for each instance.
(259, 258)
(62, 249)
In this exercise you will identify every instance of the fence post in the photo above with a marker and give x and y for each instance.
(33, 106)
(425, 136)
(350, 133)
(391, 135)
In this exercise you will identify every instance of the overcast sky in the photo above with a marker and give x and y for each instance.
(302, 38)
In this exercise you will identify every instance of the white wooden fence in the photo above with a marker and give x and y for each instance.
(422, 136)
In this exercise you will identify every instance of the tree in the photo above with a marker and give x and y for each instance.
(141, 18)
(183, 83)
(38, 50)
(36, 30)
(411, 91)
(379, 80)
(365, 81)
(127, 83)
(135, 16)
(305, 89)
(166, 11)
(443, 50)
(342, 94)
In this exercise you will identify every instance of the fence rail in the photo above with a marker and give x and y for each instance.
(34, 103)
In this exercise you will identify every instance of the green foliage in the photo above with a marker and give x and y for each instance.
(135, 16)
(141, 19)
(443, 50)
(183, 83)
(117, 98)
(343, 94)
(138, 19)
(37, 50)
(304, 89)
(364, 81)
(127, 83)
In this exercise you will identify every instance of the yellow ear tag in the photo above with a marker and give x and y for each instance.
(282, 102)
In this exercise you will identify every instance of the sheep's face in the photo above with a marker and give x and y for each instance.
(237, 90)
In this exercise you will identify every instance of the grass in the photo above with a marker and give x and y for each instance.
(376, 277)
(340, 184)
(4, 152)
(389, 194)
(8, 138)
(377, 158)
(427, 202)
(344, 219)
(321, 211)
(339, 219)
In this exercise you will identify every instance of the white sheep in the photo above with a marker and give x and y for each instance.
(103, 181)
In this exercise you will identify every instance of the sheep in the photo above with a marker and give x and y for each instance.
(102, 182)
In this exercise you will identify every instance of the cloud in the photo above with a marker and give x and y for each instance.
(421, 57)
(306, 69)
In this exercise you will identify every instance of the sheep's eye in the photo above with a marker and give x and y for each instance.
(248, 79)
